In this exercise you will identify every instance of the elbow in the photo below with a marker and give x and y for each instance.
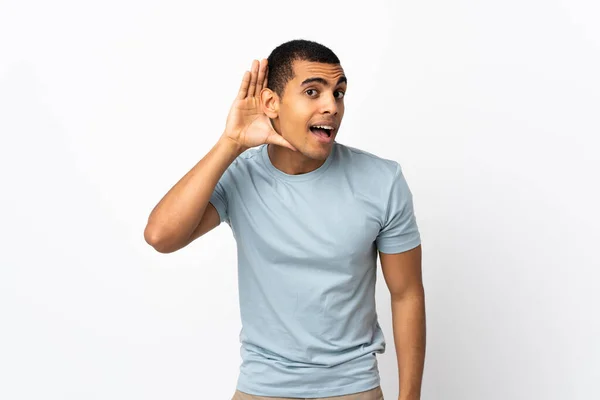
(155, 239)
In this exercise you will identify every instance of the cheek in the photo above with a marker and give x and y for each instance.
(299, 121)
(297, 117)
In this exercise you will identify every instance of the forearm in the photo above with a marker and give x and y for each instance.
(408, 319)
(178, 213)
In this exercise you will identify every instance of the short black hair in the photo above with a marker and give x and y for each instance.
(281, 59)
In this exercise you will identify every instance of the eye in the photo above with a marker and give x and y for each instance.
(341, 94)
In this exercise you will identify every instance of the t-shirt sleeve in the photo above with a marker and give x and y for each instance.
(399, 232)
(219, 198)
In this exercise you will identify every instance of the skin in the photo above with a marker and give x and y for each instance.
(404, 278)
(298, 109)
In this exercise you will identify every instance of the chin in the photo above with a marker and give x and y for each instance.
(315, 151)
(320, 154)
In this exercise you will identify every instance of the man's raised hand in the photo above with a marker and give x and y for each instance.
(247, 125)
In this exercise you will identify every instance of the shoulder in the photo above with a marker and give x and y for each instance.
(251, 155)
(367, 165)
(245, 162)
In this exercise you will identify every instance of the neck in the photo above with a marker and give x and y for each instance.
(291, 162)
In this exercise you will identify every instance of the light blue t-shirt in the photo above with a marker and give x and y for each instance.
(307, 257)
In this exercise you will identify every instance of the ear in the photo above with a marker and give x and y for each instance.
(269, 101)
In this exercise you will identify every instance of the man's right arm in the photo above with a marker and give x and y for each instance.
(184, 213)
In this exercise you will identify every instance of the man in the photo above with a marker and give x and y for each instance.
(308, 215)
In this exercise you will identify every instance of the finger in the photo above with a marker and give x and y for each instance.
(277, 139)
(261, 76)
(253, 77)
(266, 81)
(243, 92)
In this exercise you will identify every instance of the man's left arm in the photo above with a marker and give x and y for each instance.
(403, 276)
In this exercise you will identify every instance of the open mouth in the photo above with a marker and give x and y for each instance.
(321, 130)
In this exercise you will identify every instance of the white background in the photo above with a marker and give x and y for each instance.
(491, 107)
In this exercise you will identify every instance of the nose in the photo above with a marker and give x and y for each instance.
(330, 104)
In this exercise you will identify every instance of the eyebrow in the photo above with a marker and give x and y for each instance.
(322, 81)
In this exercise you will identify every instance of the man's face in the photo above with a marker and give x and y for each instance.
(315, 96)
